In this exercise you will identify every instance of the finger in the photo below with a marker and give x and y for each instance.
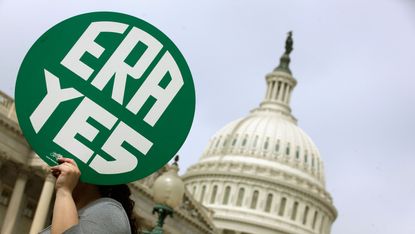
(56, 168)
(64, 167)
(68, 160)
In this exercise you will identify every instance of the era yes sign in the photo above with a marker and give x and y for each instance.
(108, 90)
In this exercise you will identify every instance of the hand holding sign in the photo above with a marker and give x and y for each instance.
(67, 175)
(110, 91)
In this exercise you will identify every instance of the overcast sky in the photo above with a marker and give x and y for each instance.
(354, 61)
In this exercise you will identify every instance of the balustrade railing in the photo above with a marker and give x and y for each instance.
(7, 106)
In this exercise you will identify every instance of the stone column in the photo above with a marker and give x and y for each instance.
(275, 89)
(269, 89)
(14, 205)
(43, 205)
(1, 164)
(281, 91)
(287, 94)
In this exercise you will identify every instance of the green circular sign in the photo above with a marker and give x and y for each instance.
(108, 90)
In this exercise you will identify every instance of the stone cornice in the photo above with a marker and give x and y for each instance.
(11, 125)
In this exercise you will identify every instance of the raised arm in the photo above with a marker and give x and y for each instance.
(65, 214)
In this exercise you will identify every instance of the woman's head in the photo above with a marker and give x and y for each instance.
(121, 193)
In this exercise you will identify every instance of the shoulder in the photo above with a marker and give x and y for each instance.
(106, 214)
(102, 205)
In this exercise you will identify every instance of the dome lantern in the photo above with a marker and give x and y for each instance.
(280, 84)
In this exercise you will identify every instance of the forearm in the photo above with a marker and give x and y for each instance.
(65, 214)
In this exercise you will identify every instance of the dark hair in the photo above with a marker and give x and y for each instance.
(122, 193)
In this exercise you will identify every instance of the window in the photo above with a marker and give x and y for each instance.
(214, 192)
(234, 140)
(266, 143)
(244, 141)
(282, 206)
(241, 194)
(277, 146)
(254, 199)
(29, 210)
(269, 203)
(315, 219)
(297, 153)
(294, 213)
(5, 196)
(202, 195)
(305, 157)
(305, 215)
(287, 150)
(226, 196)
(194, 190)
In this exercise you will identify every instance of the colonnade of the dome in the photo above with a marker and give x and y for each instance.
(279, 207)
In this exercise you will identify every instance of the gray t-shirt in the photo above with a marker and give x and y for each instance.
(102, 216)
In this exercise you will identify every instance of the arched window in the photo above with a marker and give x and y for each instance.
(234, 140)
(277, 146)
(287, 150)
(194, 190)
(244, 141)
(305, 215)
(266, 143)
(226, 197)
(254, 199)
(241, 194)
(282, 206)
(214, 192)
(315, 219)
(294, 213)
(202, 195)
(268, 203)
(297, 153)
(305, 158)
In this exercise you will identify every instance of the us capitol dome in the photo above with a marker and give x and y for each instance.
(262, 174)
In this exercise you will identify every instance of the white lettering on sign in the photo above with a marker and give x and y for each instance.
(86, 43)
(77, 124)
(54, 96)
(125, 161)
(115, 68)
(151, 87)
